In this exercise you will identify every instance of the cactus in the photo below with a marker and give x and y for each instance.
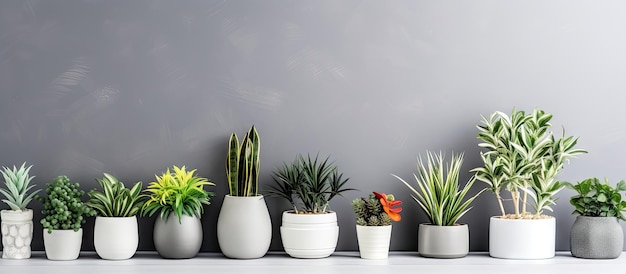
(242, 164)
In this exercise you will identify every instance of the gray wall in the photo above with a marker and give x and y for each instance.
(133, 87)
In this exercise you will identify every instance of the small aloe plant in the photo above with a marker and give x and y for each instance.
(17, 182)
(115, 200)
(243, 164)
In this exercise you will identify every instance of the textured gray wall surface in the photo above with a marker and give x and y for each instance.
(134, 87)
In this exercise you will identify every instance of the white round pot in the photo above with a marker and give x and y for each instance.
(177, 240)
(116, 238)
(445, 242)
(522, 239)
(17, 233)
(244, 227)
(596, 238)
(62, 245)
(309, 236)
(373, 241)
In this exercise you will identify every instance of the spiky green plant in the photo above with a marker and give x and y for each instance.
(115, 200)
(17, 182)
(438, 191)
(524, 157)
(243, 164)
(311, 181)
(181, 192)
(63, 207)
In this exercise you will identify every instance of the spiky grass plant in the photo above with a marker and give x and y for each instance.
(17, 187)
(243, 164)
(63, 207)
(181, 192)
(438, 191)
(115, 200)
(308, 184)
(523, 157)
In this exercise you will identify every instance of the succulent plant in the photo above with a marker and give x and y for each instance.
(17, 182)
(181, 192)
(243, 164)
(63, 207)
(115, 200)
(376, 210)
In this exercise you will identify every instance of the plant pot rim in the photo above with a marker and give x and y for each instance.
(243, 197)
(115, 217)
(313, 214)
(374, 225)
(593, 217)
(499, 217)
(454, 225)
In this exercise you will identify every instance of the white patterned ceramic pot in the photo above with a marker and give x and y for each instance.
(17, 233)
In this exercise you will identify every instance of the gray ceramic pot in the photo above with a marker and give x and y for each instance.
(596, 238)
(443, 241)
(177, 240)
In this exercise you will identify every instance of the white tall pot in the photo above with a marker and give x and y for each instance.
(521, 238)
(17, 233)
(116, 238)
(62, 245)
(373, 241)
(309, 236)
(244, 227)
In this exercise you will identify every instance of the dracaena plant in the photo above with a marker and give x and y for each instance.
(63, 207)
(181, 193)
(308, 184)
(115, 200)
(243, 164)
(523, 157)
(17, 189)
(596, 199)
(438, 191)
(378, 209)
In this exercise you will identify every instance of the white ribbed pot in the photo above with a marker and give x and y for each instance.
(62, 245)
(373, 241)
(522, 238)
(309, 236)
(244, 227)
(596, 238)
(443, 242)
(116, 238)
(17, 233)
(177, 240)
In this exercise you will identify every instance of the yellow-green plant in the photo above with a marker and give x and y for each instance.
(115, 200)
(438, 191)
(181, 192)
(243, 164)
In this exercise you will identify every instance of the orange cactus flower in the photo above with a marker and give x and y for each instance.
(390, 205)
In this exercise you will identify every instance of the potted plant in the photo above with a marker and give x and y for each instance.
(179, 198)
(440, 195)
(17, 222)
(116, 234)
(310, 229)
(524, 157)
(373, 223)
(596, 233)
(64, 214)
(244, 207)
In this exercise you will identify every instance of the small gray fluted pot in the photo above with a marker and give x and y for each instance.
(596, 238)
(177, 240)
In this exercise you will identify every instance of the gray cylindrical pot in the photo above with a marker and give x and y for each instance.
(596, 238)
(435, 241)
(177, 240)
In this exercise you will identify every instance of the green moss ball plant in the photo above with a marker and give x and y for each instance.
(63, 207)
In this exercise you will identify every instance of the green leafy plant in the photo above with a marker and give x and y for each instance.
(596, 199)
(17, 183)
(523, 157)
(243, 164)
(378, 209)
(438, 191)
(63, 207)
(115, 200)
(308, 184)
(181, 192)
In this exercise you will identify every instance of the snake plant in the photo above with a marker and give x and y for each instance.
(242, 164)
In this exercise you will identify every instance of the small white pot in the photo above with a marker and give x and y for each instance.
(62, 245)
(373, 241)
(309, 236)
(17, 233)
(521, 238)
(244, 227)
(443, 242)
(116, 238)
